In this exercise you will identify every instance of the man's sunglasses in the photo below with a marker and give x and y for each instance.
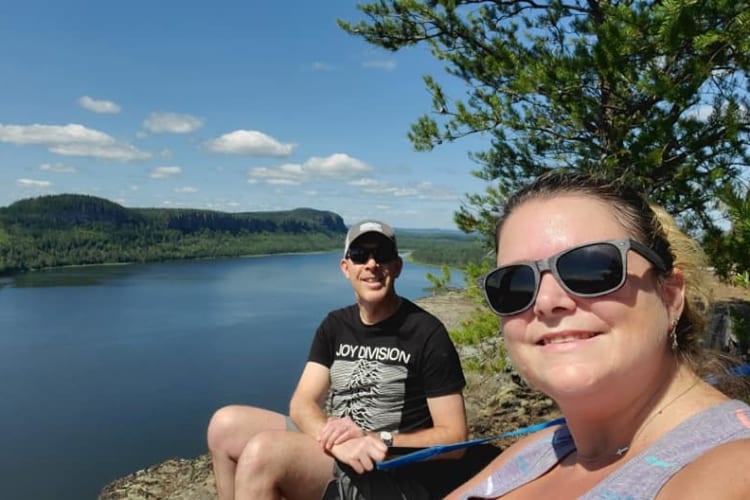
(589, 270)
(382, 254)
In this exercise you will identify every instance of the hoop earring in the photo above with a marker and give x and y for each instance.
(673, 336)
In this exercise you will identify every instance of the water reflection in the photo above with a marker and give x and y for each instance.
(69, 276)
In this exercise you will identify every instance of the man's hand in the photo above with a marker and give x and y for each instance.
(360, 453)
(337, 431)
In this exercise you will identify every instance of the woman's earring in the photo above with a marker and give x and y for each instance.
(673, 335)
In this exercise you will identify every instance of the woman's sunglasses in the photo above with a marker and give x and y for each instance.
(382, 254)
(589, 270)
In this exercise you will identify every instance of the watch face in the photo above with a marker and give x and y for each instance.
(387, 438)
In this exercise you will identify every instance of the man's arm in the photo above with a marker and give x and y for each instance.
(449, 426)
(305, 407)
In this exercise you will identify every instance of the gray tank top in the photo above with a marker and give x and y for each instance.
(639, 478)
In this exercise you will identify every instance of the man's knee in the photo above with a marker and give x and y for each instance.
(261, 453)
(222, 426)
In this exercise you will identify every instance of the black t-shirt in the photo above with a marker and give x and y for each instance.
(382, 374)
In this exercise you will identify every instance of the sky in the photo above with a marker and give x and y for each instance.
(236, 106)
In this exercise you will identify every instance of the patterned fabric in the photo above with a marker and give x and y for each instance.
(639, 478)
(382, 374)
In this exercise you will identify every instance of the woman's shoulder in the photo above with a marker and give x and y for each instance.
(719, 473)
(721, 470)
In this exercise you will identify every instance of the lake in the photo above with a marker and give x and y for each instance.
(106, 370)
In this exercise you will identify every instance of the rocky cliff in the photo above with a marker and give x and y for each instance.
(494, 405)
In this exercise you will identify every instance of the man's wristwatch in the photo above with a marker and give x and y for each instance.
(387, 438)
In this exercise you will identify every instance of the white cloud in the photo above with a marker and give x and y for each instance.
(71, 140)
(336, 165)
(333, 167)
(367, 183)
(59, 168)
(186, 189)
(250, 142)
(700, 112)
(119, 152)
(172, 122)
(72, 133)
(282, 182)
(386, 64)
(98, 106)
(33, 183)
(164, 172)
(421, 191)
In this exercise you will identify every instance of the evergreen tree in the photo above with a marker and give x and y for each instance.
(652, 91)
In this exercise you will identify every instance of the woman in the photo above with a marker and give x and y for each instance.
(599, 295)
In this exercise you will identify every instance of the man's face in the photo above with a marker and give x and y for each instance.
(372, 266)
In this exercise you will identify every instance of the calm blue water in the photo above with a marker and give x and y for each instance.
(107, 370)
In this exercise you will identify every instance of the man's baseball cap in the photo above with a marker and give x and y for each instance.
(369, 226)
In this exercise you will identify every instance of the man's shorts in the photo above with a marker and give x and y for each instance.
(290, 426)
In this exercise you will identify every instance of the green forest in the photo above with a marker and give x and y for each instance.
(71, 229)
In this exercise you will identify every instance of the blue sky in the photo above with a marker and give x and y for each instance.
(225, 105)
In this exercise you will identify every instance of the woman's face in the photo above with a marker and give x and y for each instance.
(564, 344)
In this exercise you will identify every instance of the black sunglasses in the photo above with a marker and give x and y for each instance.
(589, 270)
(382, 254)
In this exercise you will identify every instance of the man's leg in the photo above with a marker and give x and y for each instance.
(229, 431)
(282, 464)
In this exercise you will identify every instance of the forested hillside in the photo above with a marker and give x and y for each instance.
(70, 229)
(73, 229)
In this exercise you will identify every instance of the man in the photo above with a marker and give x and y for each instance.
(384, 368)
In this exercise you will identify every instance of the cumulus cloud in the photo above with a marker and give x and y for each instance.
(336, 166)
(72, 133)
(185, 189)
(250, 142)
(98, 106)
(386, 64)
(172, 123)
(71, 140)
(164, 172)
(59, 168)
(33, 183)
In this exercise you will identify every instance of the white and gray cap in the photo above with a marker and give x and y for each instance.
(369, 226)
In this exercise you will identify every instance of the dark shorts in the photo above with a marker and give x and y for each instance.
(426, 480)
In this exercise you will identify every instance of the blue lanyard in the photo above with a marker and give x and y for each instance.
(432, 451)
(444, 448)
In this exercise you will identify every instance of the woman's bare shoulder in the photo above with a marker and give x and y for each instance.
(719, 473)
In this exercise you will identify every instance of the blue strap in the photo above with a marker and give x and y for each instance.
(425, 453)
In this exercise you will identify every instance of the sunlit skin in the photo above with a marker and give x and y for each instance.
(615, 356)
(607, 362)
(373, 283)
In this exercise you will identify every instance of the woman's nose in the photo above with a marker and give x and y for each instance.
(552, 297)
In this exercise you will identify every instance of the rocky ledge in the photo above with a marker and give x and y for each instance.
(494, 404)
